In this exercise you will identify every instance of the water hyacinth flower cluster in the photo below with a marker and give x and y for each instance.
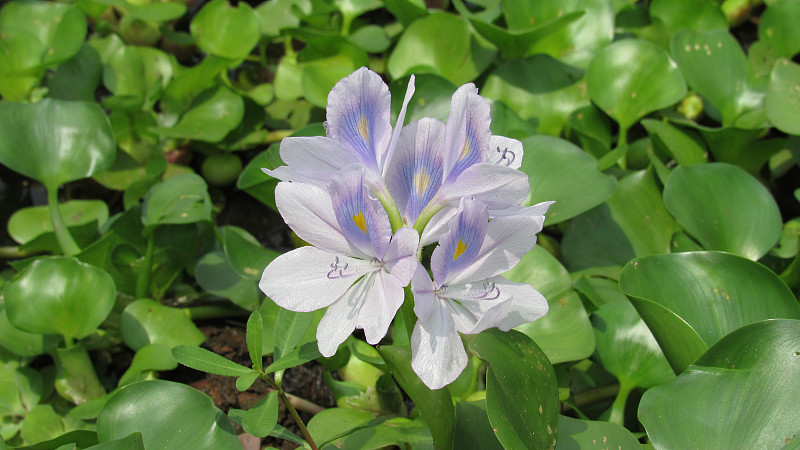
(368, 197)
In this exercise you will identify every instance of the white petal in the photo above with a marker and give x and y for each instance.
(494, 303)
(305, 279)
(315, 157)
(497, 186)
(381, 303)
(400, 259)
(423, 288)
(398, 126)
(438, 225)
(437, 354)
(507, 240)
(286, 173)
(308, 211)
(505, 151)
(341, 317)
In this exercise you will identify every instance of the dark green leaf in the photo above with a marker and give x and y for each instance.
(204, 360)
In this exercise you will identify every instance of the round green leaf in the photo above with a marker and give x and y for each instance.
(698, 15)
(181, 199)
(210, 117)
(595, 239)
(146, 322)
(638, 209)
(21, 342)
(432, 95)
(549, 99)
(458, 55)
(521, 389)
(370, 38)
(564, 333)
(715, 66)
(783, 96)
(223, 30)
(684, 145)
(559, 171)
(576, 434)
(740, 394)
(150, 357)
(724, 208)
(60, 296)
(26, 224)
(246, 255)
(691, 300)
(778, 28)
(473, 429)
(627, 349)
(575, 43)
(621, 80)
(55, 141)
(77, 79)
(169, 415)
(215, 274)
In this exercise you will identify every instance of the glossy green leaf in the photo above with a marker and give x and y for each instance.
(178, 200)
(560, 171)
(145, 322)
(20, 390)
(263, 416)
(207, 361)
(27, 224)
(740, 388)
(716, 68)
(458, 55)
(169, 415)
(370, 38)
(321, 75)
(42, 423)
(473, 429)
(133, 441)
(521, 389)
(594, 239)
(224, 30)
(733, 145)
(700, 15)
(564, 333)
(36, 34)
(436, 406)
(627, 349)
(395, 431)
(334, 423)
(21, 342)
(620, 80)
(539, 87)
(685, 146)
(514, 44)
(576, 434)
(574, 44)
(783, 96)
(778, 29)
(269, 315)
(55, 141)
(258, 184)
(246, 255)
(637, 208)
(432, 95)
(76, 300)
(724, 208)
(691, 300)
(211, 116)
(137, 76)
(593, 129)
(150, 357)
(216, 275)
(280, 14)
(77, 79)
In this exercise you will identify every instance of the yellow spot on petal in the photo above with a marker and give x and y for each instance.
(363, 128)
(421, 181)
(358, 219)
(465, 150)
(461, 247)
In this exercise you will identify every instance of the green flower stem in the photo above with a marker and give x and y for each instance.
(65, 240)
(292, 410)
(143, 279)
(426, 215)
(391, 210)
(618, 407)
(76, 378)
(407, 309)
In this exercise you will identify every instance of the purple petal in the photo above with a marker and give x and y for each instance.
(362, 219)
(467, 135)
(398, 126)
(415, 173)
(358, 115)
(459, 246)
